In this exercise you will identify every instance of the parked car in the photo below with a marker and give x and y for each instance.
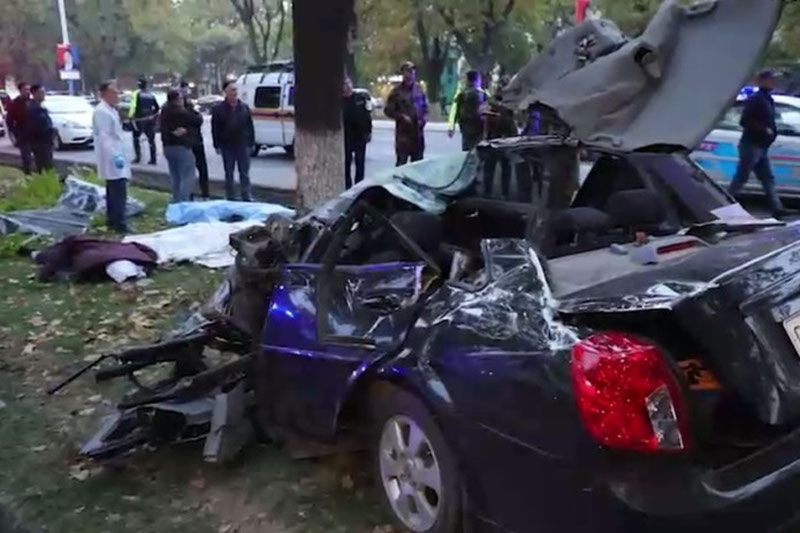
(540, 355)
(72, 118)
(207, 102)
(718, 154)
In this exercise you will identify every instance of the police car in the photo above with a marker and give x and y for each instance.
(718, 154)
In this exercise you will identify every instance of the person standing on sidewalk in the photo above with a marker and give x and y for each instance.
(234, 138)
(357, 119)
(143, 113)
(112, 164)
(470, 106)
(40, 131)
(407, 105)
(177, 125)
(198, 148)
(759, 131)
(17, 118)
(500, 124)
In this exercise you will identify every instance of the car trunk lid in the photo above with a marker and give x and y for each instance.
(736, 301)
(667, 87)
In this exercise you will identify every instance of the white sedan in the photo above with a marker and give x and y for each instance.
(72, 119)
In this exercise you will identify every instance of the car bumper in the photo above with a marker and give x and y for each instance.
(75, 135)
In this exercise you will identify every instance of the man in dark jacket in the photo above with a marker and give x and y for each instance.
(40, 131)
(407, 105)
(470, 106)
(500, 124)
(234, 138)
(177, 124)
(143, 114)
(17, 118)
(357, 119)
(198, 148)
(759, 132)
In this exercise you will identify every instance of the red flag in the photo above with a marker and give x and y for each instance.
(580, 10)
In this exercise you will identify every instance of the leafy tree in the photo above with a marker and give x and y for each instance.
(265, 22)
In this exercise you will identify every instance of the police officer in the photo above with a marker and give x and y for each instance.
(143, 113)
(468, 106)
(357, 111)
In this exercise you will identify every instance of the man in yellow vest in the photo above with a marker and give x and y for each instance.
(469, 105)
(143, 114)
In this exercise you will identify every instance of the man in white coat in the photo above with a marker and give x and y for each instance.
(112, 163)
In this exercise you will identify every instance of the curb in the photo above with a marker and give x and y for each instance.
(159, 181)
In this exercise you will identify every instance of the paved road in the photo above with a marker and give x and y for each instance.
(273, 168)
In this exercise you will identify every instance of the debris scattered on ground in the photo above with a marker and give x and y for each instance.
(71, 214)
(223, 211)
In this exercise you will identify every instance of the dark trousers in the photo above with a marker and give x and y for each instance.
(25, 155)
(755, 159)
(148, 128)
(489, 169)
(354, 151)
(410, 150)
(470, 139)
(42, 155)
(233, 156)
(116, 199)
(202, 167)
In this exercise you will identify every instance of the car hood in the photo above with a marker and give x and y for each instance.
(667, 87)
(84, 119)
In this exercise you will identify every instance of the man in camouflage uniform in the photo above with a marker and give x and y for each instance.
(408, 107)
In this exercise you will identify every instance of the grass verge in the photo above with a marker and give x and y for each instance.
(48, 330)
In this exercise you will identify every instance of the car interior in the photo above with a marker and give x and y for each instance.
(617, 201)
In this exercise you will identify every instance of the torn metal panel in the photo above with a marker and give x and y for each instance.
(50, 222)
(630, 94)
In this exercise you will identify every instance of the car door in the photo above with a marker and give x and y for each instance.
(328, 323)
(288, 114)
(718, 154)
(266, 115)
(785, 153)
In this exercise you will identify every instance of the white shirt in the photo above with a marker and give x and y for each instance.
(109, 143)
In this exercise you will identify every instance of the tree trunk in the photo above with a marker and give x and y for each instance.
(320, 45)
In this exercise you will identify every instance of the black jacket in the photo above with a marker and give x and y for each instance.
(39, 126)
(232, 125)
(357, 119)
(174, 116)
(758, 120)
(18, 116)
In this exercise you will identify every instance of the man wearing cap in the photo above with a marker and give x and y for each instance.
(759, 131)
(408, 107)
(143, 113)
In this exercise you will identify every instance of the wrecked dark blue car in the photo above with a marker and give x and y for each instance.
(536, 352)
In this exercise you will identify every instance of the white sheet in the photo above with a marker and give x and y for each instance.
(204, 243)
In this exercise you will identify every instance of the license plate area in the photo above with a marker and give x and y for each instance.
(792, 327)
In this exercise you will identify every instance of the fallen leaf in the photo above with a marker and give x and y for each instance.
(86, 412)
(130, 498)
(113, 518)
(37, 321)
(39, 449)
(2, 404)
(78, 473)
(29, 349)
(347, 482)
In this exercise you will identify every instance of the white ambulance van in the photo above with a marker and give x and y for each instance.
(269, 92)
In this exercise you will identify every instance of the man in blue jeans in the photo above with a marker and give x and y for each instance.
(759, 132)
(234, 138)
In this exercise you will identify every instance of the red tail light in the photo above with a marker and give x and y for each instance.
(627, 396)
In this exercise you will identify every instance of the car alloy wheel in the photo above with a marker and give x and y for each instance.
(57, 144)
(410, 473)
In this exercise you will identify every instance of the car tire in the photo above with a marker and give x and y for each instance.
(289, 149)
(58, 145)
(256, 150)
(408, 478)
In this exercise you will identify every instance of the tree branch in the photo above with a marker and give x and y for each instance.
(281, 24)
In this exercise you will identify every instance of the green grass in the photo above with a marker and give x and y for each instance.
(48, 330)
